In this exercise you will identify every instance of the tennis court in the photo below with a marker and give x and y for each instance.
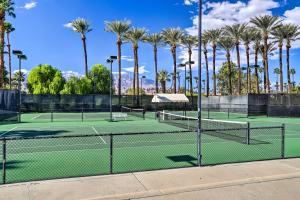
(76, 148)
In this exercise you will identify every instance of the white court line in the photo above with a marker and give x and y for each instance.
(9, 131)
(36, 117)
(98, 134)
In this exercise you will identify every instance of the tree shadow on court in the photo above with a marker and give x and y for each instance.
(184, 158)
(34, 133)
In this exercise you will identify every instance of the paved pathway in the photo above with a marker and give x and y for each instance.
(268, 180)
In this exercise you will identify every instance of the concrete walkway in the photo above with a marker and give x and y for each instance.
(274, 180)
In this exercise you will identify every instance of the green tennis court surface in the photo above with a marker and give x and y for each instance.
(38, 159)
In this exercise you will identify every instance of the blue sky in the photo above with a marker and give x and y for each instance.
(41, 34)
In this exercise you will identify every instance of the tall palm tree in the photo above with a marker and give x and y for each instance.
(155, 40)
(247, 37)
(235, 32)
(135, 35)
(190, 42)
(270, 49)
(172, 37)
(82, 27)
(277, 73)
(6, 8)
(279, 35)
(292, 33)
(163, 78)
(266, 25)
(228, 44)
(257, 39)
(8, 29)
(214, 36)
(205, 41)
(119, 28)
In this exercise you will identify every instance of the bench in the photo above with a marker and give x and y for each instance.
(117, 116)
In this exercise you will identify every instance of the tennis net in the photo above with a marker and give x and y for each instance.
(137, 112)
(229, 130)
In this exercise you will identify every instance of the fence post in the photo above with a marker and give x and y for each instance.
(111, 154)
(51, 115)
(208, 113)
(283, 141)
(248, 133)
(4, 161)
(82, 114)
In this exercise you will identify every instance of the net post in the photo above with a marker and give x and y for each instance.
(4, 161)
(228, 113)
(248, 133)
(283, 141)
(111, 137)
(51, 115)
(82, 114)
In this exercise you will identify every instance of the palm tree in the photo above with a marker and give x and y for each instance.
(190, 42)
(205, 41)
(82, 26)
(292, 33)
(261, 70)
(257, 39)
(213, 36)
(135, 35)
(163, 78)
(172, 37)
(228, 44)
(266, 25)
(8, 29)
(6, 8)
(17, 76)
(155, 40)
(247, 37)
(277, 73)
(119, 28)
(279, 35)
(270, 48)
(235, 32)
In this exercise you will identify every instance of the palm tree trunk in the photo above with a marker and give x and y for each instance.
(134, 73)
(137, 76)
(229, 73)
(2, 19)
(288, 67)
(191, 77)
(248, 70)
(266, 64)
(239, 68)
(163, 85)
(214, 70)
(174, 69)
(9, 58)
(207, 73)
(256, 71)
(155, 63)
(119, 44)
(281, 68)
(85, 56)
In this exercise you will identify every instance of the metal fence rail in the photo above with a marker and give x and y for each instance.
(43, 158)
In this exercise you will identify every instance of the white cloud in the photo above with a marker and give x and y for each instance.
(142, 70)
(117, 73)
(68, 74)
(218, 14)
(30, 5)
(293, 16)
(68, 25)
(127, 58)
(190, 2)
(25, 71)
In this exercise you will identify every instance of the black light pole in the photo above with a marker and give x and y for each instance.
(21, 57)
(111, 60)
(142, 78)
(199, 146)
(184, 65)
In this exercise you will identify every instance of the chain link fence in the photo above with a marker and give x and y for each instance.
(42, 158)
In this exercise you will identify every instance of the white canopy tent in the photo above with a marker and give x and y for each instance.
(170, 98)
